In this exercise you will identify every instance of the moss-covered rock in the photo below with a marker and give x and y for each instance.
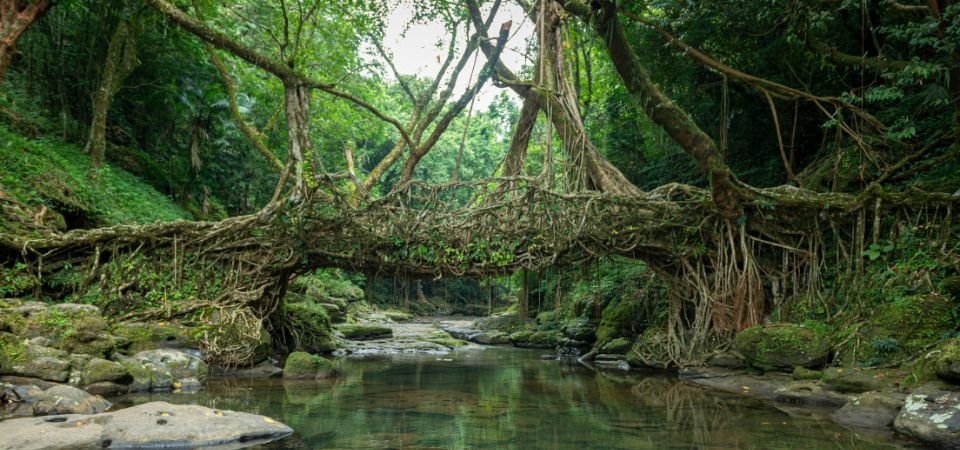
(153, 335)
(100, 370)
(365, 332)
(580, 329)
(946, 360)
(783, 347)
(617, 320)
(12, 352)
(304, 366)
(852, 380)
(804, 374)
(443, 338)
(309, 329)
(618, 346)
(536, 339)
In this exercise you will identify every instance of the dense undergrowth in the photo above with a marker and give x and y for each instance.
(45, 172)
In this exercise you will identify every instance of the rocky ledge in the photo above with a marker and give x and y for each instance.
(150, 425)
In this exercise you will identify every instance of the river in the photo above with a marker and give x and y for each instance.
(506, 398)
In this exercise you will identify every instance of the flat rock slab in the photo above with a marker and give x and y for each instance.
(150, 425)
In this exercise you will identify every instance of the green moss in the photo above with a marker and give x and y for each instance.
(47, 172)
(443, 338)
(304, 366)
(309, 328)
(365, 332)
(12, 351)
(903, 328)
(946, 360)
(152, 335)
(782, 347)
(802, 373)
(619, 346)
(617, 321)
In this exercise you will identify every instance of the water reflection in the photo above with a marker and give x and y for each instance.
(510, 399)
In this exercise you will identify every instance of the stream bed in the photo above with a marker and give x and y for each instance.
(506, 398)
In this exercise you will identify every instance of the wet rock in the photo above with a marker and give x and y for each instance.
(851, 380)
(187, 386)
(365, 332)
(727, 360)
(107, 388)
(809, 394)
(782, 347)
(872, 410)
(266, 369)
(932, 415)
(63, 399)
(150, 425)
(304, 366)
(734, 382)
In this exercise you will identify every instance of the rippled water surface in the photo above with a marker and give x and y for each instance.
(511, 399)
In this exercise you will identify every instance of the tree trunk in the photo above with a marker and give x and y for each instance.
(660, 109)
(300, 146)
(120, 62)
(523, 299)
(15, 17)
(517, 154)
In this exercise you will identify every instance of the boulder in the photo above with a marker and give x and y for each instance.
(783, 347)
(946, 362)
(63, 399)
(489, 338)
(872, 410)
(931, 414)
(805, 374)
(581, 329)
(40, 362)
(98, 370)
(618, 346)
(304, 366)
(266, 369)
(536, 339)
(177, 363)
(150, 425)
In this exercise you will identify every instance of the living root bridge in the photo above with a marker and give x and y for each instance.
(725, 273)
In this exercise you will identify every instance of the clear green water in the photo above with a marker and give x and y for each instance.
(511, 399)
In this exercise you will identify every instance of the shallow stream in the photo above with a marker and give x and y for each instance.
(505, 398)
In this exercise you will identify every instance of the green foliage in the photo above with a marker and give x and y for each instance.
(47, 172)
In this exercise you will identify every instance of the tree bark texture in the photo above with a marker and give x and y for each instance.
(299, 144)
(120, 62)
(16, 16)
